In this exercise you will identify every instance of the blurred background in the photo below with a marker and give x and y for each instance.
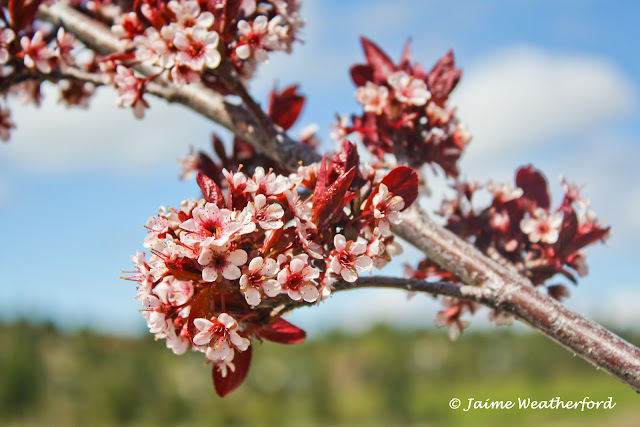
(552, 83)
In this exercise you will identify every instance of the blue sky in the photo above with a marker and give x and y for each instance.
(553, 83)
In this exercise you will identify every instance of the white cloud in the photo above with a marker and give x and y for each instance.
(521, 95)
(104, 137)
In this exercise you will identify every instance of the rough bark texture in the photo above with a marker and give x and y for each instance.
(486, 281)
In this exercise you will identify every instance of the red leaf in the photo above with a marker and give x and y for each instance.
(279, 239)
(283, 332)
(285, 107)
(218, 147)
(225, 385)
(405, 59)
(204, 306)
(534, 186)
(381, 63)
(16, 14)
(443, 78)
(403, 182)
(361, 74)
(30, 11)
(321, 180)
(209, 167)
(344, 160)
(184, 268)
(568, 229)
(210, 190)
(558, 292)
(331, 200)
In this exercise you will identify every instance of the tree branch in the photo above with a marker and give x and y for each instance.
(582, 336)
(486, 281)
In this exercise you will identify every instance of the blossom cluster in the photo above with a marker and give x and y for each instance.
(219, 265)
(185, 41)
(406, 110)
(519, 227)
(27, 50)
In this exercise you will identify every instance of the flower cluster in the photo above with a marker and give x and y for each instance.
(185, 41)
(220, 265)
(406, 110)
(519, 227)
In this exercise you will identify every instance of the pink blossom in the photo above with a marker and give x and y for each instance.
(438, 115)
(339, 131)
(542, 227)
(348, 258)
(6, 36)
(127, 26)
(268, 184)
(197, 48)
(504, 192)
(211, 225)
(408, 89)
(219, 260)
(158, 228)
(258, 280)
(142, 275)
(267, 215)
(178, 343)
(189, 164)
(461, 136)
(306, 231)
(183, 75)
(153, 312)
(256, 38)
(223, 365)
(130, 90)
(296, 279)
(373, 97)
(36, 54)
(220, 334)
(173, 291)
(65, 43)
(387, 209)
(188, 14)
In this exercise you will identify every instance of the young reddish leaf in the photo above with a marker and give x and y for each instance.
(285, 107)
(343, 161)
(210, 190)
(568, 229)
(403, 182)
(209, 167)
(321, 180)
(405, 59)
(283, 332)
(443, 78)
(332, 200)
(534, 186)
(225, 385)
(16, 14)
(381, 63)
(218, 147)
(242, 150)
(361, 74)
(558, 292)
(590, 233)
(203, 305)
(279, 239)
(184, 268)
(231, 9)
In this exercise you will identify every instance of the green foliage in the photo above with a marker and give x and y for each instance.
(384, 377)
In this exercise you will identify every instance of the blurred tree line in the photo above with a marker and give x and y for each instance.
(382, 377)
